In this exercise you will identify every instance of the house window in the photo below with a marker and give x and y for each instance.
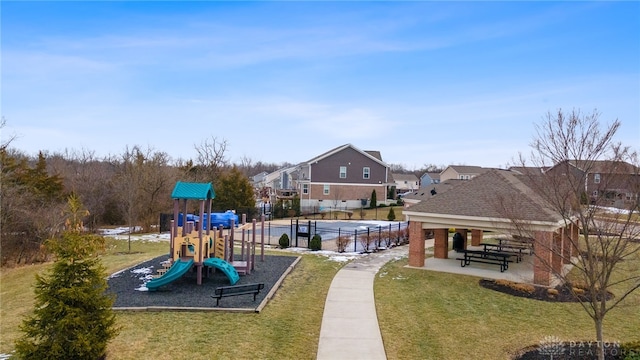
(366, 172)
(326, 189)
(464, 177)
(596, 178)
(305, 188)
(343, 172)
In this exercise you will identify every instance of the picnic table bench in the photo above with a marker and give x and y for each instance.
(515, 249)
(487, 257)
(234, 290)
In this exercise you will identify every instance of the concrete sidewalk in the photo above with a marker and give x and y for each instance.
(350, 324)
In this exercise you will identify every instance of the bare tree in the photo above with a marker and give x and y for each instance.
(585, 173)
(127, 185)
(211, 159)
(90, 178)
(4, 144)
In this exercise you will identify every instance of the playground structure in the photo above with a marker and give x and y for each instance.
(194, 244)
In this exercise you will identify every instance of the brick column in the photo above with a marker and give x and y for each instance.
(566, 244)
(441, 244)
(476, 237)
(464, 233)
(556, 252)
(416, 244)
(542, 260)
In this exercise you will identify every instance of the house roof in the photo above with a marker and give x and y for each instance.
(425, 192)
(193, 191)
(376, 154)
(468, 169)
(404, 177)
(487, 199)
(602, 166)
(527, 170)
(432, 175)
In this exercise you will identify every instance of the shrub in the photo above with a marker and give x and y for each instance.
(391, 215)
(366, 240)
(526, 288)
(342, 242)
(316, 243)
(631, 350)
(578, 291)
(284, 241)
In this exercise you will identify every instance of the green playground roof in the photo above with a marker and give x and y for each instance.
(193, 191)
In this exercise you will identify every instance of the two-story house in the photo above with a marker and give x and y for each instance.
(342, 178)
(606, 183)
(405, 183)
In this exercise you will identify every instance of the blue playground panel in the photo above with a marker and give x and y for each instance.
(216, 219)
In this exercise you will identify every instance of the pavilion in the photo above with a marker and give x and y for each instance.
(497, 201)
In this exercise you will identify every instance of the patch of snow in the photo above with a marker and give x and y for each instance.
(147, 275)
(118, 230)
(341, 258)
(332, 255)
(614, 210)
(122, 233)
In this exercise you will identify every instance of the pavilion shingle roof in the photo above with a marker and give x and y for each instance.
(478, 198)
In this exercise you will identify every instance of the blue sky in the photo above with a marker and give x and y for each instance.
(422, 82)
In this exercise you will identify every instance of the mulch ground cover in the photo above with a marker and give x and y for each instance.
(560, 293)
(571, 351)
(583, 350)
(186, 293)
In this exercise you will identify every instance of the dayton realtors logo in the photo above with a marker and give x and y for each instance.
(551, 346)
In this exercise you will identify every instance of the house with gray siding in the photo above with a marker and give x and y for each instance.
(429, 178)
(341, 178)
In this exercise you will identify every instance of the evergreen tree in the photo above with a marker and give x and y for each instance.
(374, 199)
(295, 205)
(72, 318)
(233, 191)
(49, 187)
(391, 215)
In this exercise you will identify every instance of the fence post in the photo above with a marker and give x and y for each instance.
(355, 240)
(297, 228)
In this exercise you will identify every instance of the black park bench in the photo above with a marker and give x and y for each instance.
(486, 257)
(233, 290)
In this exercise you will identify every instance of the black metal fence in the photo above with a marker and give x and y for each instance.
(341, 236)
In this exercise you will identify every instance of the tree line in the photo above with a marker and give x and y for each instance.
(132, 188)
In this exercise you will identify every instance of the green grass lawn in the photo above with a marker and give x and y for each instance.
(289, 327)
(422, 315)
(432, 315)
